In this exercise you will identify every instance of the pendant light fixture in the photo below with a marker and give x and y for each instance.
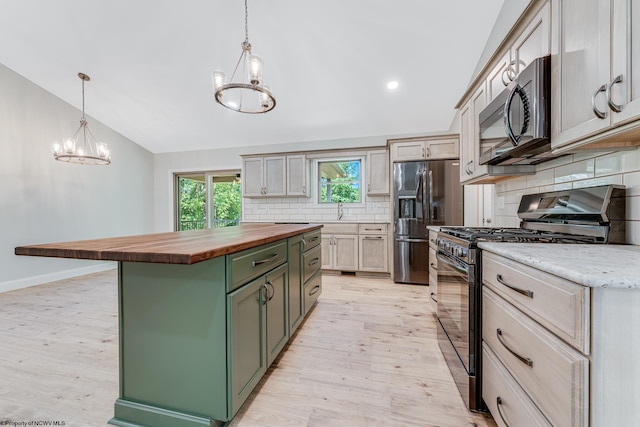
(248, 94)
(82, 148)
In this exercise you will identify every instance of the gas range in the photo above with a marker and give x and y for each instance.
(588, 215)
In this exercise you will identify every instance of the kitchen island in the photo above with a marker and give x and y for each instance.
(202, 314)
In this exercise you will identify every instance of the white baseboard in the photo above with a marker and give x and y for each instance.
(52, 277)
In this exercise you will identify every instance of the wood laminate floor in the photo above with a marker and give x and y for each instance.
(367, 355)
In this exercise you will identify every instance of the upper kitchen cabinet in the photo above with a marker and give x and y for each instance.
(533, 42)
(595, 73)
(470, 168)
(377, 172)
(274, 176)
(297, 175)
(424, 148)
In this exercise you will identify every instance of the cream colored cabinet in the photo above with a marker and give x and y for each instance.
(571, 350)
(373, 248)
(297, 175)
(340, 247)
(596, 73)
(428, 148)
(470, 169)
(478, 202)
(264, 176)
(275, 176)
(533, 42)
(377, 172)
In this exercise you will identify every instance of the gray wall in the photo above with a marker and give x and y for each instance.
(42, 200)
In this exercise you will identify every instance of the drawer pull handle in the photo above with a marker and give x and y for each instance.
(262, 261)
(373, 237)
(525, 292)
(265, 298)
(499, 404)
(524, 360)
(431, 295)
(314, 290)
(313, 262)
(313, 239)
(373, 229)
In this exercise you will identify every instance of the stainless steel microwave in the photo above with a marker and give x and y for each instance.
(515, 127)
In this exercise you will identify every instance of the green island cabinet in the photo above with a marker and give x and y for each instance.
(196, 337)
(192, 354)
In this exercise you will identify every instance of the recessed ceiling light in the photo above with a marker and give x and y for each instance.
(393, 84)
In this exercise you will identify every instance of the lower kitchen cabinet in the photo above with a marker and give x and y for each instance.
(247, 335)
(556, 352)
(355, 247)
(340, 252)
(196, 339)
(305, 260)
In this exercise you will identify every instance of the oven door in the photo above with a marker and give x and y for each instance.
(454, 307)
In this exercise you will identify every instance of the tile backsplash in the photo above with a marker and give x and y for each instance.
(305, 209)
(575, 171)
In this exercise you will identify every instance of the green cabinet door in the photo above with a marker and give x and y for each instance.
(277, 312)
(296, 302)
(246, 340)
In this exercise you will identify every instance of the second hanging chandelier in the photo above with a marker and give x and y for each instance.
(245, 92)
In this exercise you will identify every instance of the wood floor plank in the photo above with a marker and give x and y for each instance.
(367, 355)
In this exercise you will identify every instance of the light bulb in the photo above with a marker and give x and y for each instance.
(218, 79)
(265, 101)
(255, 69)
(56, 148)
(69, 145)
(102, 149)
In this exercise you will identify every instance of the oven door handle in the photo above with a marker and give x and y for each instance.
(409, 240)
(451, 263)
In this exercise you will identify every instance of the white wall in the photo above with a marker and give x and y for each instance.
(42, 200)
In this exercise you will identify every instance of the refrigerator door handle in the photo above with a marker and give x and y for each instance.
(420, 189)
(430, 213)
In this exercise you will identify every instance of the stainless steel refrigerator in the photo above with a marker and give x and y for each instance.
(425, 193)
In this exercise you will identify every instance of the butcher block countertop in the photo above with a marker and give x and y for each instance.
(596, 266)
(181, 247)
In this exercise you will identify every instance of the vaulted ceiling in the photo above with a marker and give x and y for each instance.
(327, 62)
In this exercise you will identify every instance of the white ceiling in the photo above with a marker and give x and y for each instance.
(327, 62)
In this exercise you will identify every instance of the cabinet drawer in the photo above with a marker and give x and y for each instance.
(554, 375)
(311, 262)
(311, 240)
(559, 305)
(507, 402)
(340, 228)
(312, 290)
(245, 265)
(372, 229)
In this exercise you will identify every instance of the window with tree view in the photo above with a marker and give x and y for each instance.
(207, 201)
(339, 181)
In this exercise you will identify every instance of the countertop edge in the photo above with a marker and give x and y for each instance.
(161, 248)
(594, 266)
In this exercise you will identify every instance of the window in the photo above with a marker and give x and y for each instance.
(339, 181)
(207, 200)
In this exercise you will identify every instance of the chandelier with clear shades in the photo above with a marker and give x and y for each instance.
(82, 148)
(249, 94)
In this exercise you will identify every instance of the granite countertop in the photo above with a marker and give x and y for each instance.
(596, 266)
(179, 247)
